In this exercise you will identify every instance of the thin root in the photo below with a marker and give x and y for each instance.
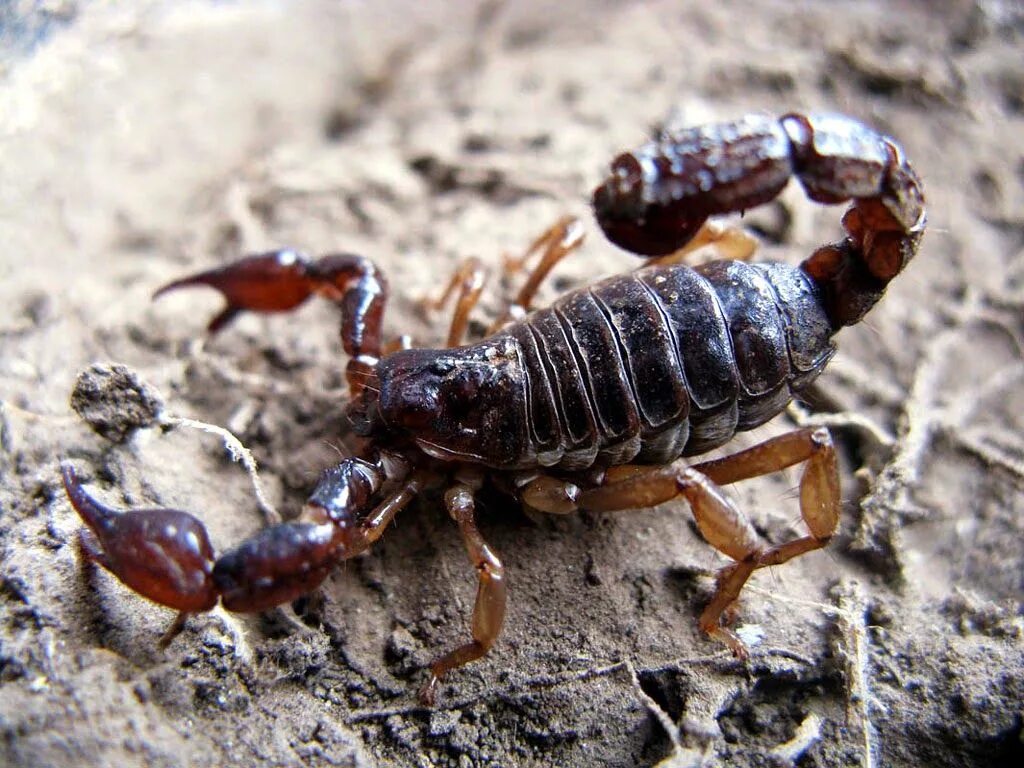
(663, 718)
(842, 420)
(854, 645)
(238, 452)
(233, 627)
(808, 732)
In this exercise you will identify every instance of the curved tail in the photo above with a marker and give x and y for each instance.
(657, 198)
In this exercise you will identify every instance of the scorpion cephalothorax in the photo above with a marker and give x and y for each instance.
(588, 404)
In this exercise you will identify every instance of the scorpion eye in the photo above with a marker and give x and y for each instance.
(442, 366)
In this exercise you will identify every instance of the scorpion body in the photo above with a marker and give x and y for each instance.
(664, 362)
(586, 404)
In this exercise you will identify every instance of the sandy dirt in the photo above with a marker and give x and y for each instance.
(138, 145)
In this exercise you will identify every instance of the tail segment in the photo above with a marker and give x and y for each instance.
(658, 197)
(885, 223)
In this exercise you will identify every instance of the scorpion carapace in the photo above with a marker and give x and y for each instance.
(591, 403)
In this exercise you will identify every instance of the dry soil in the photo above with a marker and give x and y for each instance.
(141, 141)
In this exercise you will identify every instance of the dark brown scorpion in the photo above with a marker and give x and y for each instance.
(590, 404)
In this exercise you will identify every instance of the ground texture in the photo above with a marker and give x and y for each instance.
(139, 144)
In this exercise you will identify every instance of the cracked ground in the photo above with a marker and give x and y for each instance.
(138, 144)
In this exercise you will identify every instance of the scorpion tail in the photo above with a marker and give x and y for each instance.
(657, 198)
(837, 159)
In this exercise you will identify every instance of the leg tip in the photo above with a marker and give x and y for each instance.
(428, 693)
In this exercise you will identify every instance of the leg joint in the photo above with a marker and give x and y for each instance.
(820, 438)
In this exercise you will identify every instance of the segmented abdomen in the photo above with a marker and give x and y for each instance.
(668, 361)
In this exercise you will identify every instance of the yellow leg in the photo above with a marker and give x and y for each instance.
(720, 522)
(729, 241)
(491, 595)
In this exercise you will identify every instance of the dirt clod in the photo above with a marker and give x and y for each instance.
(114, 401)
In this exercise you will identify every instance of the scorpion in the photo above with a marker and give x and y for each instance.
(594, 403)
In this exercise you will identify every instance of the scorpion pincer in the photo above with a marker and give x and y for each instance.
(593, 403)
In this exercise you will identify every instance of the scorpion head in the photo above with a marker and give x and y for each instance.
(466, 404)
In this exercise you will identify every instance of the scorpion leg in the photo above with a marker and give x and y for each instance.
(553, 245)
(469, 279)
(489, 610)
(730, 242)
(403, 341)
(719, 520)
(280, 281)
(173, 630)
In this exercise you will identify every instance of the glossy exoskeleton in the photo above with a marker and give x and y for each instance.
(592, 403)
